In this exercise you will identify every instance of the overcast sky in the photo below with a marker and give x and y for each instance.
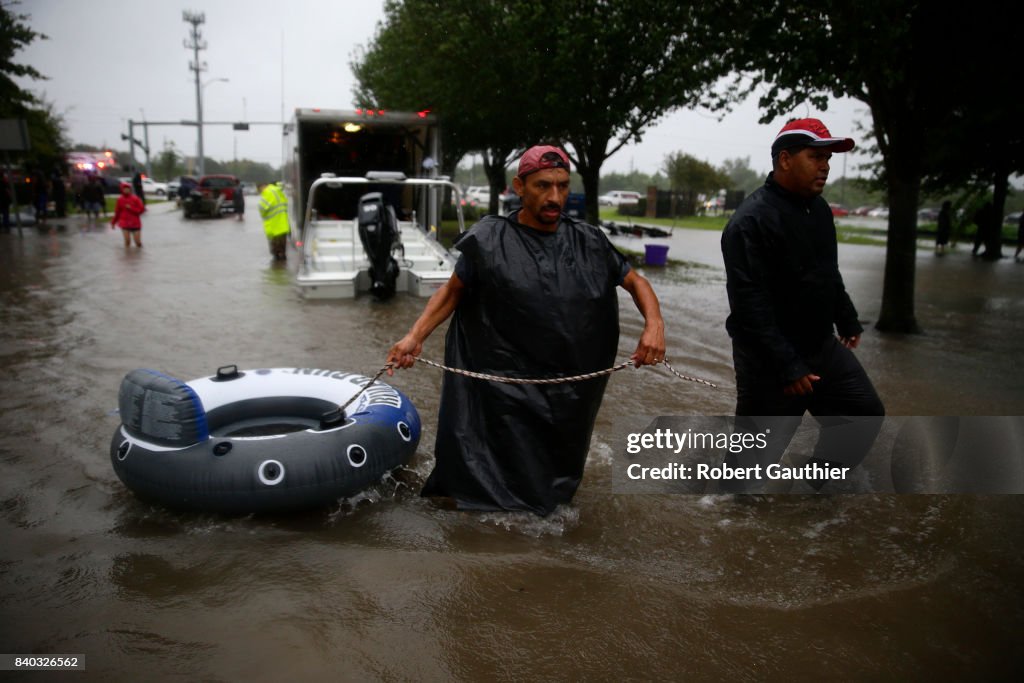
(109, 61)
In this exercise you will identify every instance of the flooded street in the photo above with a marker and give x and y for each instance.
(390, 587)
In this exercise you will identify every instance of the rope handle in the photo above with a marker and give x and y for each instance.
(523, 380)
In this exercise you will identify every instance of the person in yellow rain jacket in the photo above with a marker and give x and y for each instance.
(274, 212)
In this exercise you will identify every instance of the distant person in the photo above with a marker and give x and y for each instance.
(60, 195)
(128, 216)
(787, 301)
(40, 196)
(137, 187)
(274, 212)
(77, 184)
(93, 198)
(944, 227)
(185, 189)
(238, 201)
(1020, 237)
(988, 233)
(5, 201)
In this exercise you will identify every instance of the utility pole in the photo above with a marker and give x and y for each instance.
(133, 143)
(145, 137)
(196, 43)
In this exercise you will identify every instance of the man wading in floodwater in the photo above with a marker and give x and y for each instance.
(533, 295)
(787, 301)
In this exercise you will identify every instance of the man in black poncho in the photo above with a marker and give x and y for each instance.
(533, 295)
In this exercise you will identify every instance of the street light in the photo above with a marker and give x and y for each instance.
(199, 121)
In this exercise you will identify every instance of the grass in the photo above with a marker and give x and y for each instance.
(610, 213)
(846, 234)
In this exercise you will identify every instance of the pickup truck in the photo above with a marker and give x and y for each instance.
(619, 197)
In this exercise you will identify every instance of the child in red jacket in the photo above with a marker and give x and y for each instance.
(127, 215)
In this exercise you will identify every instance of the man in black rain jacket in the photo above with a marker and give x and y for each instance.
(788, 302)
(533, 295)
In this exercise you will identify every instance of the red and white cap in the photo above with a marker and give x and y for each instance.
(809, 133)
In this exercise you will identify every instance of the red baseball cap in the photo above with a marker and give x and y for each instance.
(540, 157)
(809, 133)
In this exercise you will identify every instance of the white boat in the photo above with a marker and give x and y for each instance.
(340, 260)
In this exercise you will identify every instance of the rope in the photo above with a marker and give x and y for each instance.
(687, 378)
(368, 385)
(523, 380)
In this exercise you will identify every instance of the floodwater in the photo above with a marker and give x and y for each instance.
(390, 587)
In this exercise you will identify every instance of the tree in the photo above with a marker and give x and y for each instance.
(507, 75)
(14, 37)
(432, 54)
(741, 175)
(691, 177)
(45, 126)
(622, 65)
(168, 163)
(982, 149)
(910, 61)
(634, 180)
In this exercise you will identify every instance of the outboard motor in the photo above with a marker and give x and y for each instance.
(378, 231)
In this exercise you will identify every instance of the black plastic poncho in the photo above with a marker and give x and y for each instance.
(535, 304)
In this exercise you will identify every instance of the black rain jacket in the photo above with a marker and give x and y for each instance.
(785, 290)
(535, 304)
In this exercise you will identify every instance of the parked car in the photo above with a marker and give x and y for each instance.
(219, 185)
(152, 187)
(480, 194)
(509, 201)
(928, 215)
(862, 210)
(149, 186)
(839, 210)
(880, 212)
(1012, 218)
(619, 197)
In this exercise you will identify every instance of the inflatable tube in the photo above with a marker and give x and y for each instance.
(258, 440)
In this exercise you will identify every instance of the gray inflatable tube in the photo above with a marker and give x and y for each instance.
(258, 440)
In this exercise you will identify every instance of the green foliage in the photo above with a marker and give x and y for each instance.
(920, 72)
(504, 75)
(45, 125)
(853, 192)
(253, 171)
(687, 173)
(46, 133)
(15, 36)
(168, 164)
(741, 175)
(634, 181)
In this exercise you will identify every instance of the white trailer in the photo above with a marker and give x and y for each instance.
(339, 157)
